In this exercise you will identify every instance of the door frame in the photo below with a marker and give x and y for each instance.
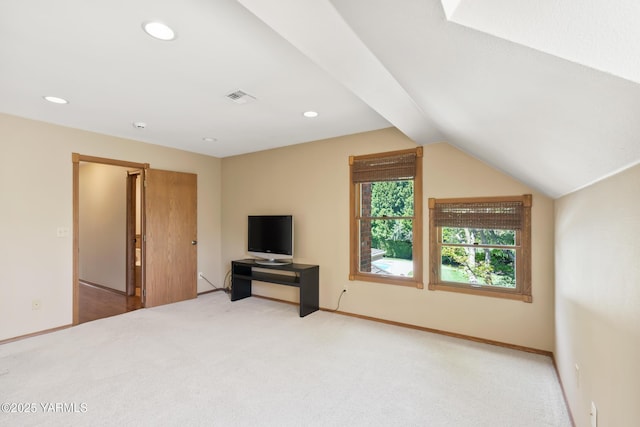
(132, 225)
(76, 159)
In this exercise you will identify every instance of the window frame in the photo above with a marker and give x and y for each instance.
(417, 230)
(522, 292)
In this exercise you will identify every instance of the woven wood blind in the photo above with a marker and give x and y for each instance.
(492, 215)
(394, 167)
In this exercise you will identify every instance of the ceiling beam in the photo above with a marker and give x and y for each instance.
(318, 31)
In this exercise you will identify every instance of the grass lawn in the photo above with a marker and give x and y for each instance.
(452, 274)
(455, 274)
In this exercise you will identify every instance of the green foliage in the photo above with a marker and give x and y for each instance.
(490, 266)
(478, 235)
(398, 249)
(392, 199)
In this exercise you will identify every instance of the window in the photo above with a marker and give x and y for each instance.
(481, 246)
(386, 217)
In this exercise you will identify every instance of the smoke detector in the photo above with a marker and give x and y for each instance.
(139, 125)
(241, 97)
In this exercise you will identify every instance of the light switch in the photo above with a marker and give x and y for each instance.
(62, 232)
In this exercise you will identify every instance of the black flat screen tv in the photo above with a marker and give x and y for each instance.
(270, 238)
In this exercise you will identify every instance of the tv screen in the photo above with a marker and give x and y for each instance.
(270, 237)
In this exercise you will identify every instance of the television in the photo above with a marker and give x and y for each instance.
(270, 239)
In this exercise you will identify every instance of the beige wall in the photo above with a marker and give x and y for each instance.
(36, 189)
(598, 299)
(102, 225)
(310, 181)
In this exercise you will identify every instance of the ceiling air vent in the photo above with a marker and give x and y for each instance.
(240, 97)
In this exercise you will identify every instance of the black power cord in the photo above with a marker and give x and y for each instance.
(226, 289)
(344, 291)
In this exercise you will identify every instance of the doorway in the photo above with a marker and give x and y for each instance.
(168, 233)
(134, 234)
(107, 226)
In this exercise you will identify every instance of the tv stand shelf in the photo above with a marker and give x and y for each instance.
(303, 276)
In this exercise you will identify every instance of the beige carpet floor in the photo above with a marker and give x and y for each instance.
(254, 362)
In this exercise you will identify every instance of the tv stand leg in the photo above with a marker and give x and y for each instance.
(309, 292)
(240, 288)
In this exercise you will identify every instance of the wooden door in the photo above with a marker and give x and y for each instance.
(170, 254)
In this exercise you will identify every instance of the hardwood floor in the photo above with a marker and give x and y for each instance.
(98, 303)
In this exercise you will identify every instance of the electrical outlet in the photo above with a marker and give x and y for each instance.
(201, 275)
(594, 415)
(344, 290)
(35, 304)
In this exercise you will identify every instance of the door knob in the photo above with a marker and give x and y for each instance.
(194, 242)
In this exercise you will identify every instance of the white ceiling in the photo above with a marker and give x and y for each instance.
(547, 93)
(602, 35)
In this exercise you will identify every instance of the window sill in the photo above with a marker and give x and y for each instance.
(481, 292)
(388, 280)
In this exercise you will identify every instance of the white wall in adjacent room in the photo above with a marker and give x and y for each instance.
(102, 223)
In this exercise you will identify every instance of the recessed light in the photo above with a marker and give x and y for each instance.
(209, 139)
(310, 114)
(56, 100)
(159, 31)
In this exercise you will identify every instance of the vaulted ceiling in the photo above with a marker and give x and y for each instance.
(546, 91)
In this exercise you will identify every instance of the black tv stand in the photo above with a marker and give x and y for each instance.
(305, 277)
